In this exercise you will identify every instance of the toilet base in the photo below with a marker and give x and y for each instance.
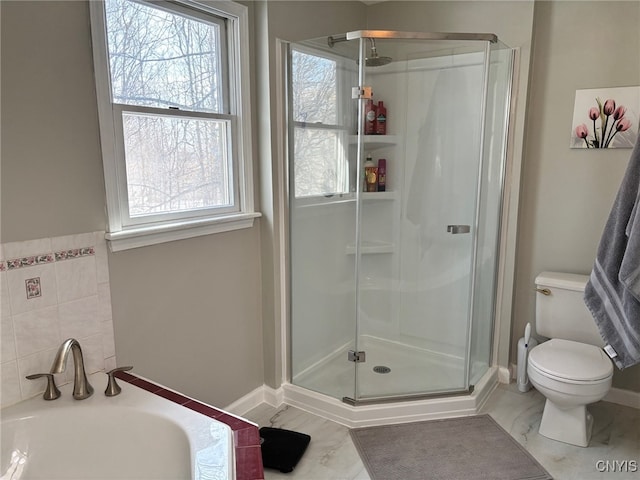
(571, 425)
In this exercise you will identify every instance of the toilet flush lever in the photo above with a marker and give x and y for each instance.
(455, 229)
(544, 291)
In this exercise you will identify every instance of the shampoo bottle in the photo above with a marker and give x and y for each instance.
(370, 118)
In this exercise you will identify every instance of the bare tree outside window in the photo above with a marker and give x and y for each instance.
(320, 131)
(170, 64)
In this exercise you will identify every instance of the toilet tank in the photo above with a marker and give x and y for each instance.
(562, 313)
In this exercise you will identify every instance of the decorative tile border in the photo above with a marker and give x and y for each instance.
(74, 253)
(46, 258)
(246, 437)
(30, 261)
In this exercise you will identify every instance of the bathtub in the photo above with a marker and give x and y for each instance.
(135, 435)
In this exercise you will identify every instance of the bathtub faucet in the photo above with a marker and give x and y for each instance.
(81, 387)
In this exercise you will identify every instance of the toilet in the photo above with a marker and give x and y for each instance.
(570, 369)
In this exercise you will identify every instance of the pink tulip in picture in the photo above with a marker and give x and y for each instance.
(606, 118)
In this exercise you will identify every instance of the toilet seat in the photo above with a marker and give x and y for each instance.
(571, 362)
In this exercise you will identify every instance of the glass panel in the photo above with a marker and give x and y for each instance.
(322, 218)
(318, 80)
(161, 59)
(495, 145)
(320, 162)
(314, 81)
(176, 164)
(415, 277)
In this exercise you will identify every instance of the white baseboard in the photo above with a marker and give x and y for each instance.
(263, 394)
(505, 374)
(367, 415)
(306, 400)
(627, 398)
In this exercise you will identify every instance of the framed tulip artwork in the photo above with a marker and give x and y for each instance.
(606, 118)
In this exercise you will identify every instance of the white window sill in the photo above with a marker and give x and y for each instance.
(152, 235)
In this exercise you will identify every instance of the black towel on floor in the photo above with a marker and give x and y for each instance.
(282, 449)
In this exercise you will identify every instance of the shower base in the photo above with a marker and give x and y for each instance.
(412, 370)
(320, 388)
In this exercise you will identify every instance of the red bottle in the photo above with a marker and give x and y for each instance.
(381, 119)
(370, 118)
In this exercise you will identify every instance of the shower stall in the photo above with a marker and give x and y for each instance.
(392, 291)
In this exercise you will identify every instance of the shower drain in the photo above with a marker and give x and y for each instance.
(381, 369)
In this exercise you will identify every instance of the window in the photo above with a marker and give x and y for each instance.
(321, 122)
(172, 86)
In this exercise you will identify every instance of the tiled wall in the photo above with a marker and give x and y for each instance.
(52, 289)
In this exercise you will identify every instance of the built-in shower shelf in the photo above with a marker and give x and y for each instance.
(374, 142)
(371, 247)
(378, 195)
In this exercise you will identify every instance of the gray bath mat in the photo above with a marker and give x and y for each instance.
(466, 448)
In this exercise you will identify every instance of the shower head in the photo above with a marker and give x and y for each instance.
(375, 60)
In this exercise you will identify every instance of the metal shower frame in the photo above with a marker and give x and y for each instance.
(392, 34)
(489, 38)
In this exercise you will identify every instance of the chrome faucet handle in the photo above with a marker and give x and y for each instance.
(51, 392)
(113, 388)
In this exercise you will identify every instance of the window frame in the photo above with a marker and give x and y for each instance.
(125, 231)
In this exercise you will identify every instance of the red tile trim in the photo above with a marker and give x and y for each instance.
(246, 437)
(249, 463)
(127, 377)
(234, 422)
(203, 409)
(148, 386)
(173, 396)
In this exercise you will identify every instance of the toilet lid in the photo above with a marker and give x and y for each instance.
(571, 360)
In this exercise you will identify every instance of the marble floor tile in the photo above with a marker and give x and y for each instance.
(331, 454)
(616, 435)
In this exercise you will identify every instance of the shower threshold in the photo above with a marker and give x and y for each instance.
(407, 398)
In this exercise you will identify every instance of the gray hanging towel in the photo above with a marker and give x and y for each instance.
(612, 293)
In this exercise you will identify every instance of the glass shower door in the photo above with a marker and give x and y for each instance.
(417, 238)
(322, 216)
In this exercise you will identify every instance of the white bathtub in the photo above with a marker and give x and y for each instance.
(135, 435)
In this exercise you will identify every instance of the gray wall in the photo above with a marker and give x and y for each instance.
(567, 194)
(52, 181)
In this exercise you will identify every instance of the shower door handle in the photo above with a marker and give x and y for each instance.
(455, 229)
